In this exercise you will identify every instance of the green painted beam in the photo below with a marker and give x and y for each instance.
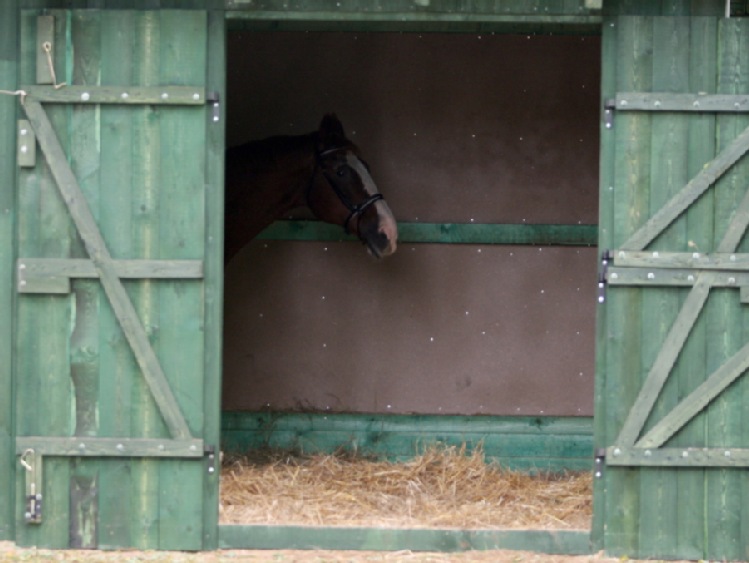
(559, 542)
(410, 22)
(445, 233)
(523, 443)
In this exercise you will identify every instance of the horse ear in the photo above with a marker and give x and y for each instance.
(331, 131)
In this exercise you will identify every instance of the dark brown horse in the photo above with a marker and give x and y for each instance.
(322, 170)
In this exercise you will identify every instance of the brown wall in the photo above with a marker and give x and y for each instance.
(456, 128)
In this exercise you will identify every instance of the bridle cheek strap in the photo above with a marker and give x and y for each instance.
(355, 210)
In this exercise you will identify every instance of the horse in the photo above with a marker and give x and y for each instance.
(322, 170)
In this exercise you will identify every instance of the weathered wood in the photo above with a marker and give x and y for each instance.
(167, 95)
(45, 35)
(8, 116)
(723, 260)
(84, 510)
(92, 446)
(607, 161)
(700, 235)
(675, 102)
(98, 252)
(214, 271)
(182, 235)
(632, 66)
(726, 332)
(26, 145)
(677, 457)
(145, 177)
(52, 275)
(383, 539)
(522, 443)
(694, 189)
(697, 400)
(664, 363)
(677, 277)
(118, 523)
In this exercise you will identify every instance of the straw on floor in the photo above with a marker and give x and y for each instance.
(445, 487)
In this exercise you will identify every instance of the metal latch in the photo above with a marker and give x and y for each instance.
(32, 463)
(213, 99)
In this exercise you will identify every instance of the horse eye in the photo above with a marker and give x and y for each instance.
(342, 171)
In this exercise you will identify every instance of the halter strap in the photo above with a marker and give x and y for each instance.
(354, 209)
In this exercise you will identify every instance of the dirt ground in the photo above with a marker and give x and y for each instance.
(9, 552)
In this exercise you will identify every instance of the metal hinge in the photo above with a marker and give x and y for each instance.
(210, 456)
(608, 113)
(213, 99)
(602, 273)
(600, 463)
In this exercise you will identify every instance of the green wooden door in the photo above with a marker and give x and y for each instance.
(672, 422)
(114, 426)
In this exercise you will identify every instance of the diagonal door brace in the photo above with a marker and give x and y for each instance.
(105, 266)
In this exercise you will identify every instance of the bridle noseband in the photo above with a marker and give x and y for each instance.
(354, 209)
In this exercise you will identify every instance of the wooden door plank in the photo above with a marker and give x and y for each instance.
(726, 335)
(87, 298)
(182, 235)
(700, 237)
(145, 177)
(8, 114)
(661, 306)
(633, 64)
(98, 252)
(117, 523)
(214, 271)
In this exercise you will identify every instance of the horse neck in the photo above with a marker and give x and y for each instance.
(264, 181)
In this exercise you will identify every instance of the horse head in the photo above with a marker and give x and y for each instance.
(343, 192)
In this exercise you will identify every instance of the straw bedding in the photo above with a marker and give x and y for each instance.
(445, 487)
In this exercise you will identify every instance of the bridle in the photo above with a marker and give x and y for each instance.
(355, 209)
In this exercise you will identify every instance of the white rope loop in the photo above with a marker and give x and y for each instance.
(47, 46)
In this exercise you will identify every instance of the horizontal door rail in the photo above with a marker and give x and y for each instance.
(87, 446)
(667, 101)
(678, 457)
(696, 260)
(53, 275)
(131, 95)
(679, 277)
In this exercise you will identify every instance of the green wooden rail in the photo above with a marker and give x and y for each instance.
(445, 233)
(559, 542)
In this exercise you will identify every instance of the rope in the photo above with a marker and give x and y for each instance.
(21, 93)
(47, 46)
